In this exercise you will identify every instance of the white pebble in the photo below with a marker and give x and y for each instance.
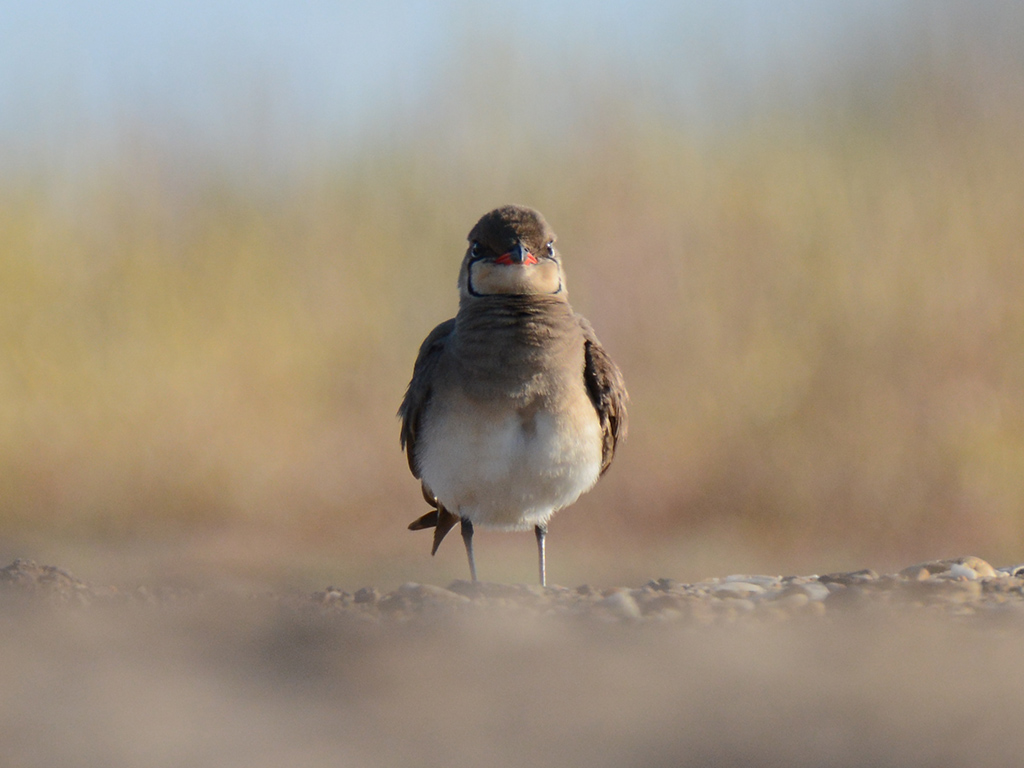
(815, 590)
(958, 571)
(764, 581)
(622, 604)
(738, 588)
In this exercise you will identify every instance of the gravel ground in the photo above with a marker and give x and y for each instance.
(919, 668)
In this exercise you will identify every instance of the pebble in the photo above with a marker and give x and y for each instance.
(331, 595)
(964, 588)
(814, 590)
(978, 565)
(662, 585)
(621, 604)
(916, 573)
(853, 577)
(367, 595)
(763, 581)
(960, 571)
(738, 589)
(960, 566)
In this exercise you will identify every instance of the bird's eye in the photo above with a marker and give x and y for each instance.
(474, 249)
(551, 248)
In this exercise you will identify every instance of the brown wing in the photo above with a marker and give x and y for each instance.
(607, 392)
(417, 396)
(415, 402)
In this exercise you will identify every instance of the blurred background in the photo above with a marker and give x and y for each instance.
(225, 227)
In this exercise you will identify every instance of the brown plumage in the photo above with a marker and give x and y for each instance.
(514, 408)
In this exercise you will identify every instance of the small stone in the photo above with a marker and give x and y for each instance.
(621, 604)
(737, 589)
(917, 573)
(367, 595)
(959, 571)
(760, 580)
(921, 571)
(1002, 583)
(331, 596)
(851, 577)
(937, 567)
(815, 591)
(979, 566)
(812, 591)
(662, 585)
(395, 602)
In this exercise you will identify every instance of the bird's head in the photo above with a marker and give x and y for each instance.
(511, 253)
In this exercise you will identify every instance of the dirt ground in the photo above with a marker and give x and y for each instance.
(907, 674)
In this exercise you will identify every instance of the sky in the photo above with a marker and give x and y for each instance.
(321, 72)
(336, 66)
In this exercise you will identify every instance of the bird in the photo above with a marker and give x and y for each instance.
(514, 409)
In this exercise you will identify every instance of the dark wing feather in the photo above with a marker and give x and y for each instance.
(417, 396)
(415, 402)
(607, 392)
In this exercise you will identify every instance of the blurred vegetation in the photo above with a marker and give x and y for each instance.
(819, 312)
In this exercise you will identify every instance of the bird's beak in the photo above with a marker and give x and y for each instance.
(518, 255)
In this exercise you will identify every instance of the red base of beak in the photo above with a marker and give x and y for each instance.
(506, 258)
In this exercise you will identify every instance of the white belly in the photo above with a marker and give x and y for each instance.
(506, 469)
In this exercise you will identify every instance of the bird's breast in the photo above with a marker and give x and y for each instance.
(508, 463)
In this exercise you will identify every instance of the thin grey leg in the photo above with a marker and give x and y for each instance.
(467, 539)
(542, 532)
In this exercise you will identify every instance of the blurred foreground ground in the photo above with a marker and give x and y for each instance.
(919, 670)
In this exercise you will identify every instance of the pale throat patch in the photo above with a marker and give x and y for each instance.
(487, 278)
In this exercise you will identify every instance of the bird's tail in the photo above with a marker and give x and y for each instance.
(440, 519)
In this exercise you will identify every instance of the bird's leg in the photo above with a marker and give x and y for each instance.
(542, 532)
(467, 538)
